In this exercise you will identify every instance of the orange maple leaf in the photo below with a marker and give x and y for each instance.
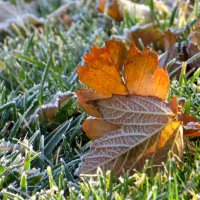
(114, 69)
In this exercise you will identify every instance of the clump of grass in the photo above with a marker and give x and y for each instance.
(180, 182)
(35, 66)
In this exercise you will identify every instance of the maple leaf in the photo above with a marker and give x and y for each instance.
(133, 122)
(141, 74)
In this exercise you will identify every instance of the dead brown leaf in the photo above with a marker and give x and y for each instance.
(147, 131)
(49, 110)
(145, 35)
(18, 15)
(194, 47)
(191, 126)
(170, 50)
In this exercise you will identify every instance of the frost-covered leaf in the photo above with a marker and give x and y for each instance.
(191, 126)
(8, 146)
(18, 15)
(148, 128)
(49, 110)
(143, 36)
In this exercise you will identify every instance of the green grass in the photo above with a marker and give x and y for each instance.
(38, 160)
